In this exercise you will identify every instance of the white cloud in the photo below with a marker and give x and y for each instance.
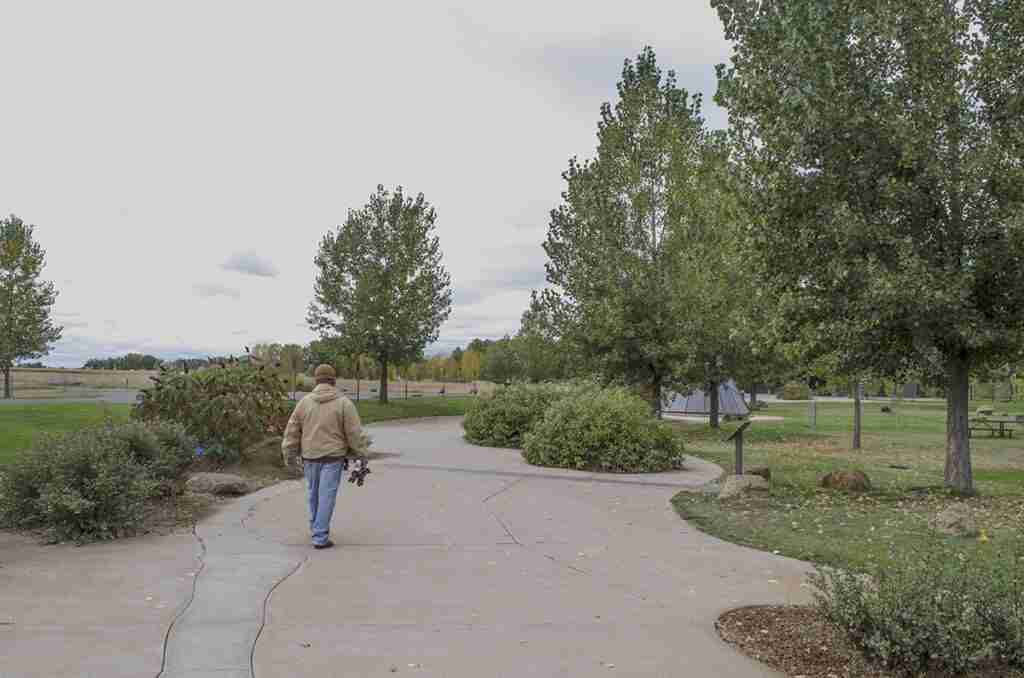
(151, 142)
(250, 263)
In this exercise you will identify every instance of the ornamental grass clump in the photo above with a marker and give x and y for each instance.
(610, 430)
(503, 418)
(932, 609)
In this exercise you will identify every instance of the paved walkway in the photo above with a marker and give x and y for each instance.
(115, 396)
(453, 561)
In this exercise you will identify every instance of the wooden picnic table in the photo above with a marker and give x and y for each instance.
(995, 426)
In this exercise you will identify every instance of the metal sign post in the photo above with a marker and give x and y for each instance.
(738, 437)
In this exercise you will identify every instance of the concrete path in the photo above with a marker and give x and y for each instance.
(100, 610)
(453, 561)
(115, 396)
(462, 561)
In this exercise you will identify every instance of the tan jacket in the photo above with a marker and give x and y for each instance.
(324, 424)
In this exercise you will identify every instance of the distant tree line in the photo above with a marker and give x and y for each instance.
(131, 361)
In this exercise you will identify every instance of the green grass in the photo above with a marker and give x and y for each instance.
(371, 411)
(21, 425)
(799, 519)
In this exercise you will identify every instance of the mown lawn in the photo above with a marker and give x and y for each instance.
(371, 411)
(21, 425)
(903, 453)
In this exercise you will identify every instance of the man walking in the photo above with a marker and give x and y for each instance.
(324, 429)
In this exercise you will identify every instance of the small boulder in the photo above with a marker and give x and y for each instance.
(736, 485)
(220, 484)
(851, 481)
(762, 471)
(956, 521)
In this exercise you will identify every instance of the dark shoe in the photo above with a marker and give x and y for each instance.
(326, 545)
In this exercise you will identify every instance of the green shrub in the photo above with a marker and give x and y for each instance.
(794, 390)
(504, 417)
(80, 486)
(932, 608)
(219, 454)
(228, 407)
(603, 430)
(165, 448)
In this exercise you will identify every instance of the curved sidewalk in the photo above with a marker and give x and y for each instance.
(453, 561)
(457, 560)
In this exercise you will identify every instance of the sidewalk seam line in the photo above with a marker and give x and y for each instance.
(188, 604)
(263, 616)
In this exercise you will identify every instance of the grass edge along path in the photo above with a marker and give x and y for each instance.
(22, 424)
(903, 454)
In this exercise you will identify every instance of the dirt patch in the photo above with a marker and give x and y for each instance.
(797, 641)
(168, 515)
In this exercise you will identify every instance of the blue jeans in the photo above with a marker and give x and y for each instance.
(322, 483)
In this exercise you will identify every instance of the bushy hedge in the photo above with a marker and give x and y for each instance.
(225, 408)
(794, 390)
(608, 430)
(931, 609)
(503, 418)
(93, 483)
(165, 448)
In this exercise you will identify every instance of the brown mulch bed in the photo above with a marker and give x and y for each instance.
(798, 642)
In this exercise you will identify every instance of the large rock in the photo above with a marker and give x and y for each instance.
(736, 485)
(220, 484)
(851, 481)
(956, 520)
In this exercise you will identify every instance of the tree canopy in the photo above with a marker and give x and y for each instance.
(884, 143)
(26, 327)
(381, 287)
(608, 243)
(129, 361)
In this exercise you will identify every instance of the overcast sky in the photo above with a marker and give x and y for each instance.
(182, 160)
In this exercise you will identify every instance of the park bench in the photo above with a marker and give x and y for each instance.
(1002, 427)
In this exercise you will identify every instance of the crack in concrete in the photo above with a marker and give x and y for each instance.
(263, 618)
(188, 603)
(543, 476)
(504, 489)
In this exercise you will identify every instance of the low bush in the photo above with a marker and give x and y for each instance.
(794, 390)
(94, 483)
(165, 448)
(229, 407)
(931, 609)
(603, 430)
(503, 418)
(81, 486)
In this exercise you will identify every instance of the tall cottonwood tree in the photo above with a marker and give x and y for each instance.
(711, 292)
(381, 288)
(607, 242)
(886, 145)
(26, 328)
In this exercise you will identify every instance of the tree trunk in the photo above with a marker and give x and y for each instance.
(656, 395)
(959, 475)
(857, 410)
(713, 400)
(753, 396)
(7, 383)
(384, 382)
